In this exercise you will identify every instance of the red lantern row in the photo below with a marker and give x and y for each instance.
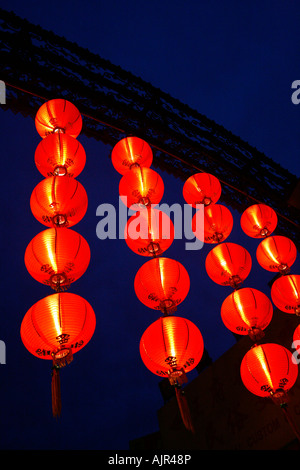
(269, 370)
(171, 346)
(61, 324)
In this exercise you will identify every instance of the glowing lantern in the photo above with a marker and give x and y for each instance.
(259, 221)
(268, 369)
(202, 188)
(131, 152)
(59, 202)
(228, 264)
(247, 312)
(285, 293)
(59, 155)
(57, 257)
(55, 328)
(149, 232)
(170, 347)
(276, 253)
(141, 186)
(58, 116)
(218, 223)
(162, 284)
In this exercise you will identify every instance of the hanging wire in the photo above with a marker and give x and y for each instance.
(248, 196)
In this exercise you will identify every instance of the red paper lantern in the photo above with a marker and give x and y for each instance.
(162, 284)
(228, 264)
(149, 232)
(217, 224)
(59, 155)
(56, 324)
(59, 202)
(247, 311)
(259, 221)
(141, 186)
(57, 257)
(55, 328)
(58, 116)
(202, 188)
(129, 153)
(285, 293)
(268, 370)
(171, 345)
(276, 253)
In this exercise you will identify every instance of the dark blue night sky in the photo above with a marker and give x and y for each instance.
(232, 61)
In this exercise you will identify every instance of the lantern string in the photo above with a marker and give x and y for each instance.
(157, 148)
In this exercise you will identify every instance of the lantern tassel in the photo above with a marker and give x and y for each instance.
(184, 409)
(291, 422)
(281, 399)
(56, 395)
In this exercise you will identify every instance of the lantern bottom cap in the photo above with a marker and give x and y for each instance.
(256, 333)
(235, 280)
(284, 268)
(60, 170)
(62, 357)
(264, 232)
(60, 220)
(59, 281)
(177, 376)
(153, 248)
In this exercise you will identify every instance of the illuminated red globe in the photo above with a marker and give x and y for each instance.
(268, 369)
(149, 232)
(247, 311)
(228, 264)
(285, 293)
(259, 221)
(58, 116)
(276, 254)
(131, 152)
(162, 283)
(202, 188)
(171, 345)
